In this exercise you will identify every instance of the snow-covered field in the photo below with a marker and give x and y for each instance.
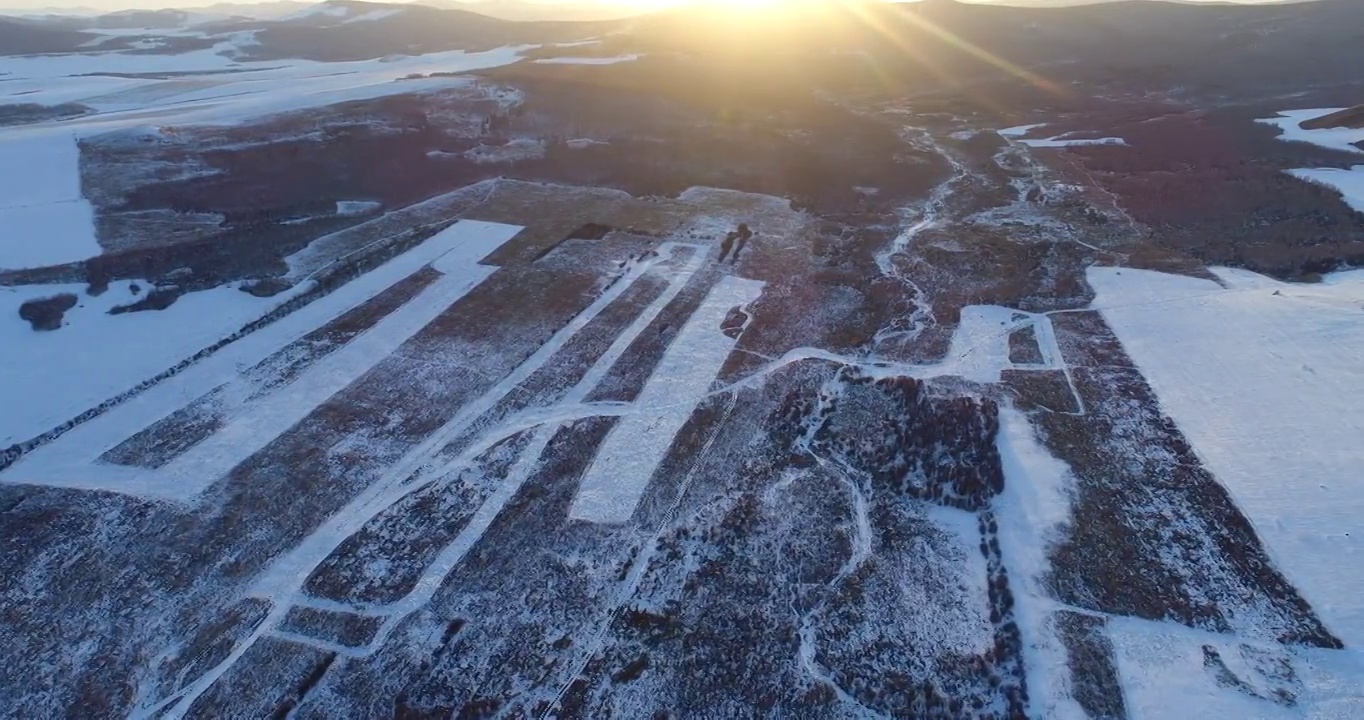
(1334, 138)
(1165, 673)
(43, 218)
(1018, 132)
(1265, 380)
(249, 90)
(589, 60)
(1350, 182)
(1063, 141)
(51, 377)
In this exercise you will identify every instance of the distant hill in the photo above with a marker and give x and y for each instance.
(25, 37)
(522, 11)
(1347, 118)
(351, 30)
(1137, 43)
(142, 19)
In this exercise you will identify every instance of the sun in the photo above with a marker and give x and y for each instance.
(753, 5)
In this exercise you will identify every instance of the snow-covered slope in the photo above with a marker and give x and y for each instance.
(1264, 379)
(43, 218)
(1350, 183)
(1289, 121)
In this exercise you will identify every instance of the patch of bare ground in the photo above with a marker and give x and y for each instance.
(1093, 667)
(1023, 348)
(272, 678)
(332, 626)
(531, 589)
(1046, 390)
(384, 560)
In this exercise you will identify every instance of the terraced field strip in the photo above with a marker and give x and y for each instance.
(617, 478)
(262, 421)
(71, 461)
(282, 583)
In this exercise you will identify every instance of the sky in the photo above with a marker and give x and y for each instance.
(92, 6)
(115, 5)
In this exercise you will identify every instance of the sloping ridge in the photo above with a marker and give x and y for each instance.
(414, 29)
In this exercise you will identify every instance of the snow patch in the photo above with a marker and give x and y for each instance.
(588, 60)
(625, 464)
(1031, 511)
(1289, 121)
(49, 377)
(44, 220)
(1063, 141)
(371, 16)
(1019, 131)
(1163, 674)
(1350, 183)
(351, 208)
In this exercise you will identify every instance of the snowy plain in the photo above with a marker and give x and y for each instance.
(1289, 121)
(1264, 379)
(1350, 183)
(237, 91)
(49, 377)
(1163, 671)
(44, 220)
(588, 60)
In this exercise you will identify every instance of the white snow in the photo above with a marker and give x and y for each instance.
(1160, 666)
(49, 377)
(1019, 131)
(589, 60)
(1350, 182)
(980, 345)
(322, 9)
(1332, 138)
(625, 464)
(356, 207)
(1266, 380)
(581, 143)
(257, 88)
(1031, 512)
(44, 220)
(1063, 141)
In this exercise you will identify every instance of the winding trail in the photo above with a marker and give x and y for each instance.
(925, 216)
